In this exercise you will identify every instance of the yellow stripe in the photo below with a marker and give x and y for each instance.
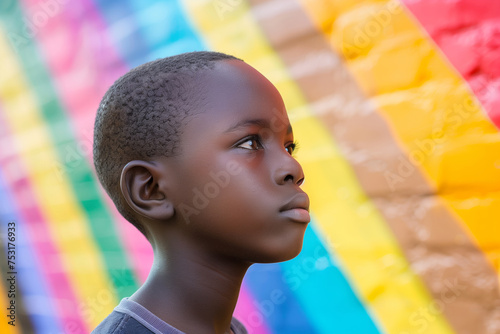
(65, 218)
(435, 117)
(355, 230)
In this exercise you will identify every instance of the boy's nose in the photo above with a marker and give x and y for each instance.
(289, 170)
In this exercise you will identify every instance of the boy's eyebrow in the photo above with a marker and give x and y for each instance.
(263, 123)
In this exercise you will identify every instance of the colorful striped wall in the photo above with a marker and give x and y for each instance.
(396, 106)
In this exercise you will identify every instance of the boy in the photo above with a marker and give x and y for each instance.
(196, 151)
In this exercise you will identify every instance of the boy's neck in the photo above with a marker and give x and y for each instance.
(192, 291)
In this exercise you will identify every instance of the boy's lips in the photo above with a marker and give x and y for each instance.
(297, 209)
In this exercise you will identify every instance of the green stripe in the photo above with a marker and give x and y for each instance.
(78, 173)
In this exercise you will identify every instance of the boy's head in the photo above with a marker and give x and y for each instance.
(200, 145)
(142, 115)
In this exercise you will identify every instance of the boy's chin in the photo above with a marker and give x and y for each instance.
(280, 256)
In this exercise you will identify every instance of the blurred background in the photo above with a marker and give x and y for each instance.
(395, 105)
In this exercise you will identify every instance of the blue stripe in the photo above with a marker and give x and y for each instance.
(146, 30)
(316, 279)
(277, 306)
(166, 28)
(124, 30)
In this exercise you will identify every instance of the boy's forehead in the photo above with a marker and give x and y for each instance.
(235, 81)
(230, 72)
(236, 95)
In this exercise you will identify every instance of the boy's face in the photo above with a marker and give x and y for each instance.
(237, 188)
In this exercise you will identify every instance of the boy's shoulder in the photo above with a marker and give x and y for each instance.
(120, 323)
(130, 317)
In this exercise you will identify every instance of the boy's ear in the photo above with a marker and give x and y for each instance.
(142, 185)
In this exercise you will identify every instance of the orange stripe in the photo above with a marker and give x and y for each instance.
(433, 114)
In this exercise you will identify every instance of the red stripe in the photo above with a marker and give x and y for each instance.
(468, 33)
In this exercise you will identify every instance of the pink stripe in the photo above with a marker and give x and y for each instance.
(248, 314)
(83, 64)
(38, 233)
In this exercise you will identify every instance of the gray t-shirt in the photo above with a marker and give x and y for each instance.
(131, 317)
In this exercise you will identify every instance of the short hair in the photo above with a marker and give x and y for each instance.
(142, 115)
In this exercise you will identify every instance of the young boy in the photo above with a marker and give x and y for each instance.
(196, 151)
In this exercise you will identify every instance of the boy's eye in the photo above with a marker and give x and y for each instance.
(251, 143)
(291, 148)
